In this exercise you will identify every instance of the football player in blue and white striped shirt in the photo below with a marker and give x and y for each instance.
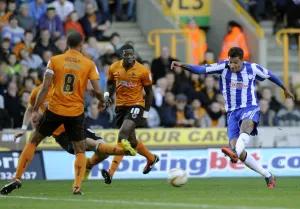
(237, 80)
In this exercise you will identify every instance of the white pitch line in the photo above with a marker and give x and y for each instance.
(124, 202)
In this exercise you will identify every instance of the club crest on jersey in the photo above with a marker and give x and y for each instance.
(132, 75)
(134, 116)
(250, 77)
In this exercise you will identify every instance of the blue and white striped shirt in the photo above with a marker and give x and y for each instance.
(238, 89)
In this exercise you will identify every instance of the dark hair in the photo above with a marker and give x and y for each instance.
(236, 52)
(74, 39)
(27, 78)
(113, 35)
(32, 70)
(126, 47)
(27, 31)
(233, 23)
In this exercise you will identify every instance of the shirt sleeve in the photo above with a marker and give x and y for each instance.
(94, 74)
(147, 78)
(262, 74)
(50, 68)
(216, 68)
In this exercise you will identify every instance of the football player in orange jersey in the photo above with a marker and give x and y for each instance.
(93, 141)
(68, 73)
(130, 78)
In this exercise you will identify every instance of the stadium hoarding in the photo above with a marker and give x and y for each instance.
(197, 164)
(9, 162)
(171, 138)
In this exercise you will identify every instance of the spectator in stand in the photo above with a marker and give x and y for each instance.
(63, 8)
(5, 48)
(214, 116)
(28, 85)
(44, 43)
(12, 66)
(4, 116)
(24, 20)
(209, 92)
(115, 40)
(72, 24)
(289, 116)
(4, 15)
(209, 58)
(130, 15)
(3, 77)
(94, 48)
(161, 65)
(234, 38)
(13, 31)
(36, 9)
(13, 105)
(52, 22)
(24, 103)
(198, 111)
(159, 92)
(153, 120)
(180, 79)
(80, 6)
(27, 43)
(61, 45)
(170, 77)
(29, 59)
(85, 51)
(194, 86)
(293, 20)
(33, 73)
(179, 115)
(94, 23)
(267, 116)
(198, 41)
(12, 7)
(97, 120)
(268, 95)
(47, 54)
(279, 7)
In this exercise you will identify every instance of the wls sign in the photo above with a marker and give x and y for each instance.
(199, 9)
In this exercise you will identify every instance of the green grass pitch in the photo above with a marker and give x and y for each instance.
(207, 193)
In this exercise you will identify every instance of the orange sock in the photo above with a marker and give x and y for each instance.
(25, 158)
(142, 150)
(115, 162)
(110, 150)
(95, 159)
(79, 166)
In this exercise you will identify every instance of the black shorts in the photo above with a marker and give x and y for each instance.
(134, 113)
(74, 126)
(67, 145)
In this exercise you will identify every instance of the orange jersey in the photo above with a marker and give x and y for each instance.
(71, 72)
(44, 105)
(129, 84)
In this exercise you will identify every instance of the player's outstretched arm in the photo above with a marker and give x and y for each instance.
(26, 121)
(202, 69)
(263, 73)
(98, 93)
(109, 92)
(47, 82)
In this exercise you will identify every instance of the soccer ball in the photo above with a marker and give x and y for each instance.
(177, 177)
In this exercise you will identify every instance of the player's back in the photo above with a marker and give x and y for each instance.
(129, 84)
(71, 73)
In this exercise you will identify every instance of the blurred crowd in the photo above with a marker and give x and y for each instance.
(32, 31)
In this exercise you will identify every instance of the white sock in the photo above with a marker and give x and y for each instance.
(251, 163)
(241, 143)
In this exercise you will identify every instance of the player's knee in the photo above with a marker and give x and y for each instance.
(36, 138)
(243, 156)
(247, 126)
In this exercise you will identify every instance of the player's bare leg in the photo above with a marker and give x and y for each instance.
(24, 160)
(102, 151)
(79, 165)
(237, 151)
(142, 150)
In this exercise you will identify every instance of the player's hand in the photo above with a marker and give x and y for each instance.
(176, 64)
(288, 94)
(19, 134)
(35, 117)
(108, 101)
